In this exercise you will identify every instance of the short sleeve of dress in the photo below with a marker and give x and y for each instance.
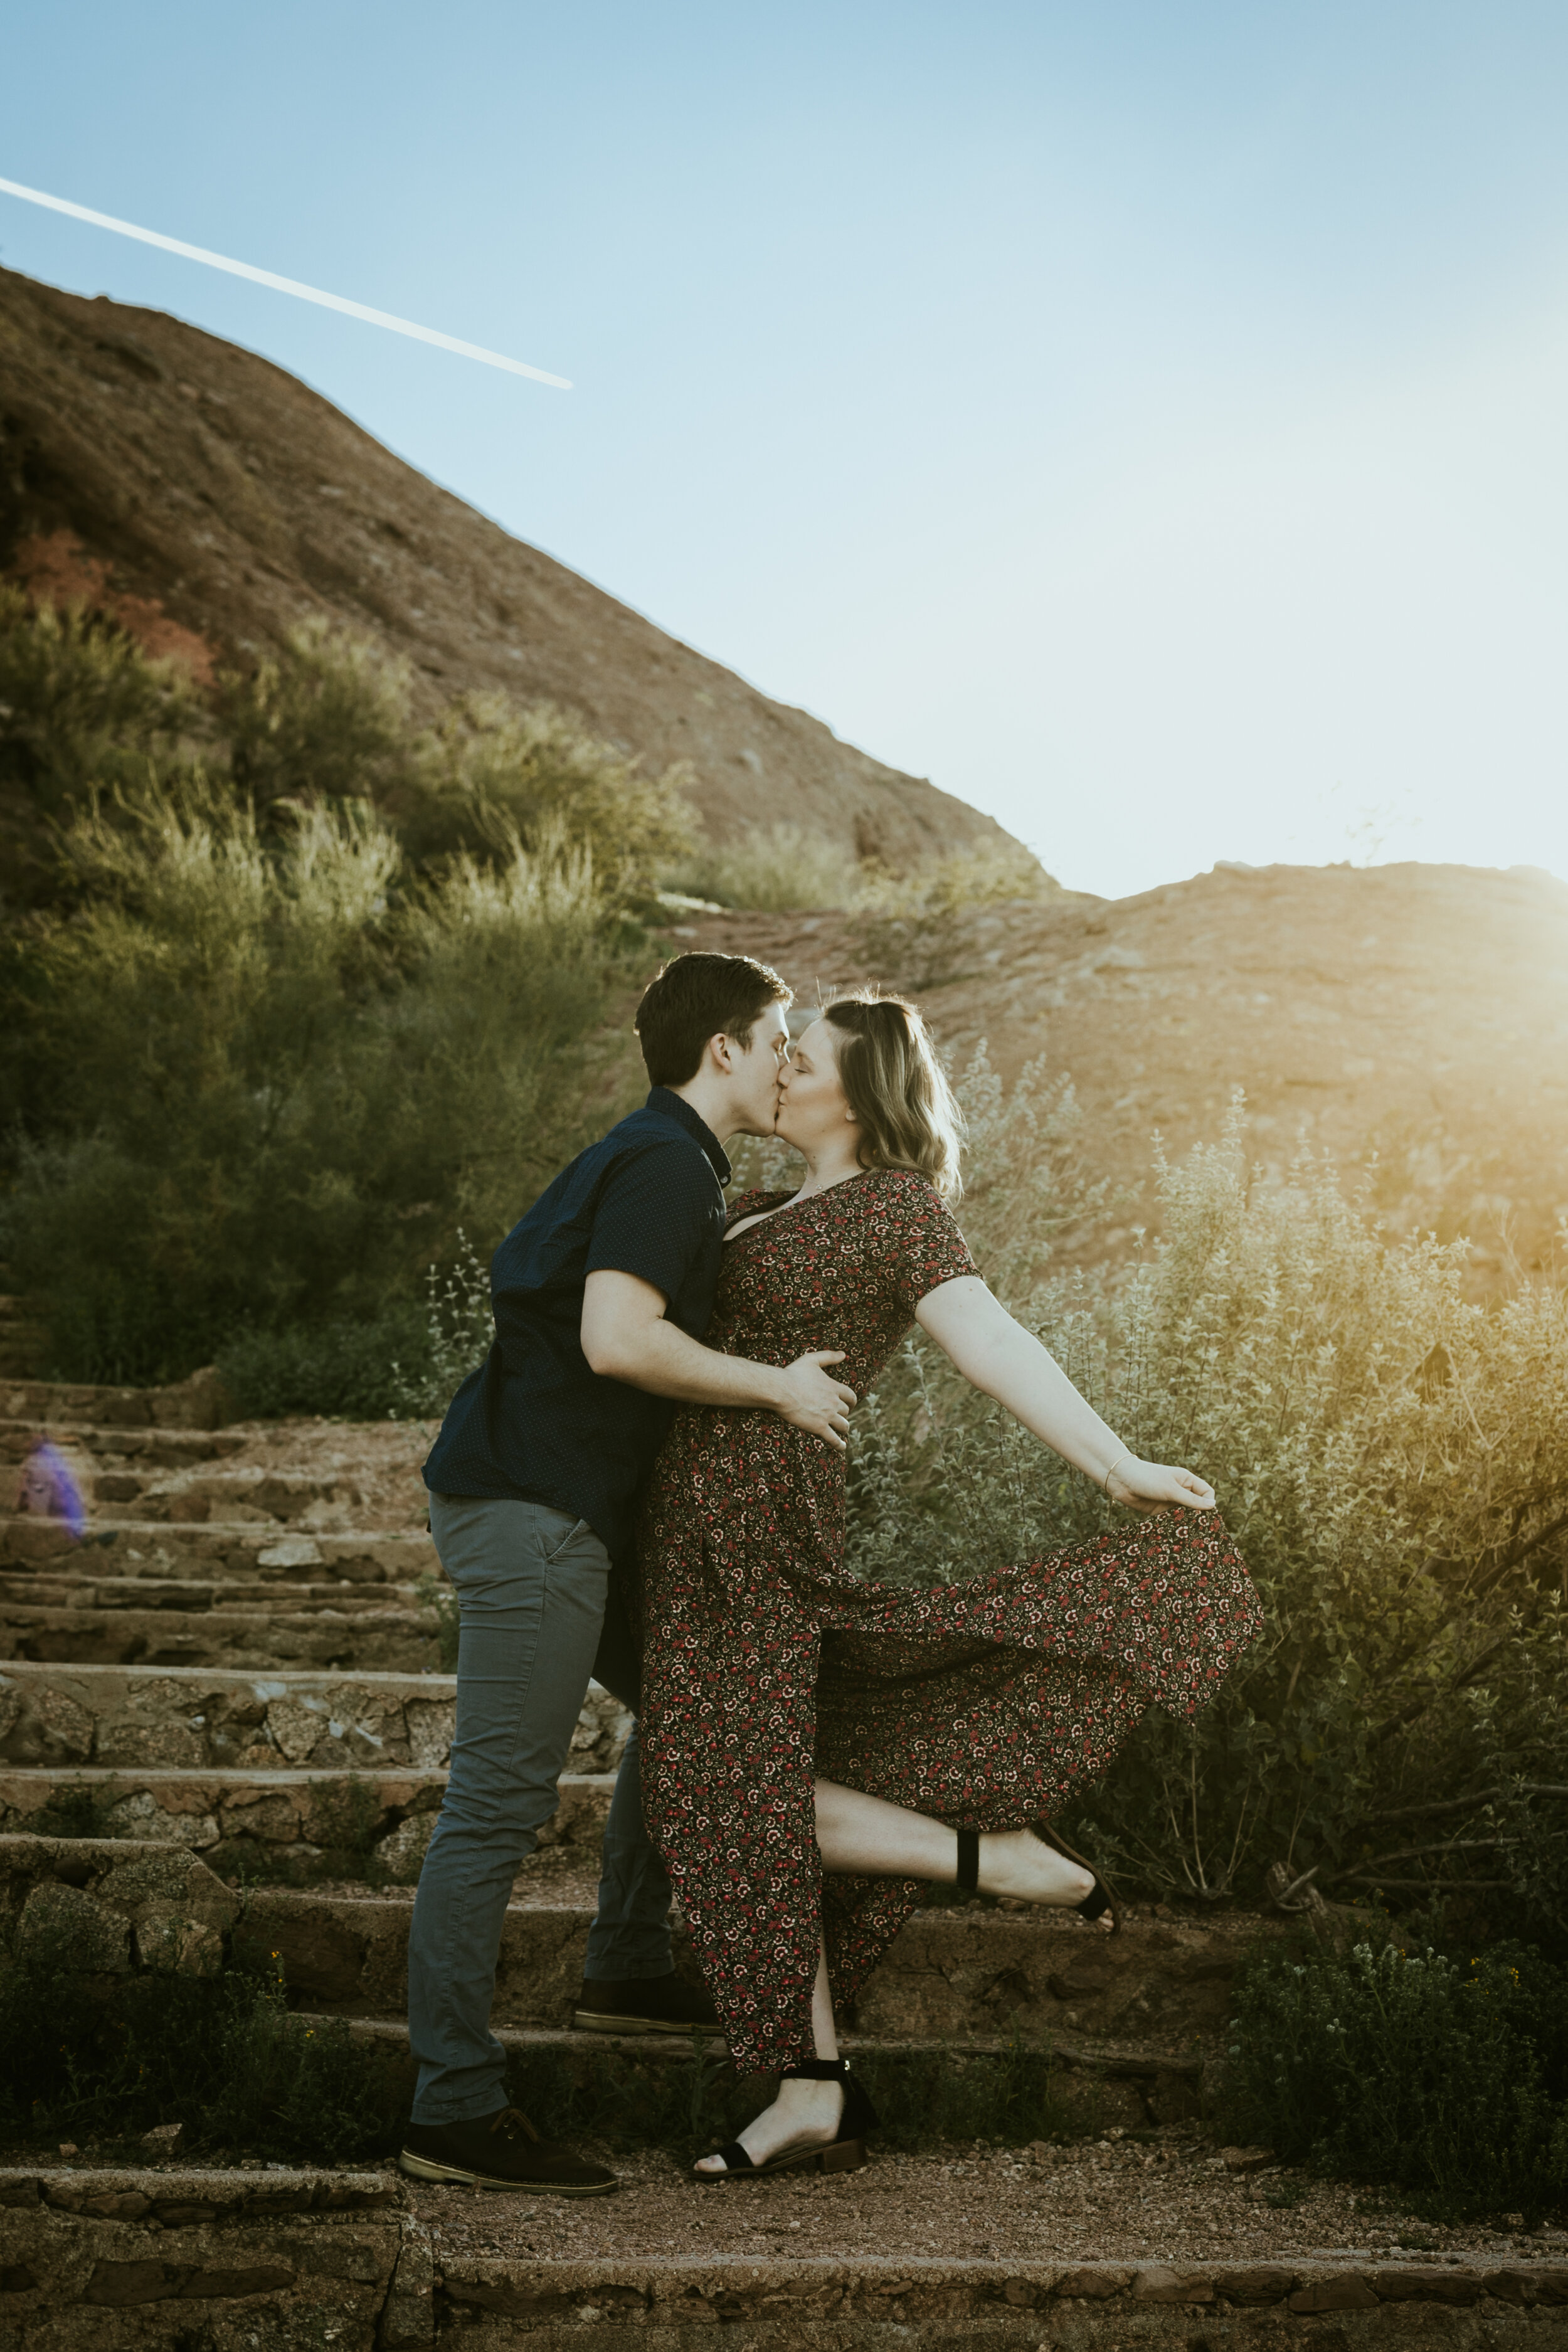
(923, 1246)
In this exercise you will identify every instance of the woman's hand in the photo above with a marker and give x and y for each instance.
(1147, 1486)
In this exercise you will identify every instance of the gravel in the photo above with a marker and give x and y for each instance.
(1164, 2198)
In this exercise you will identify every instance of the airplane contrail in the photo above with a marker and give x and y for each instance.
(284, 285)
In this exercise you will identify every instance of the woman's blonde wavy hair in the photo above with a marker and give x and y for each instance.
(897, 1089)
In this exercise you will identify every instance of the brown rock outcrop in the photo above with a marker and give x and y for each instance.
(209, 501)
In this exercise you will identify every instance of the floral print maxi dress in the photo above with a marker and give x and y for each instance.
(767, 1664)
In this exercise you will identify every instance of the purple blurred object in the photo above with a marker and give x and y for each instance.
(48, 1488)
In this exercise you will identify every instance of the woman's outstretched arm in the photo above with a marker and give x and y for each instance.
(1001, 1360)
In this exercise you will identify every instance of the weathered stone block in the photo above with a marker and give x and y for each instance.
(1257, 2283)
(1094, 2284)
(1344, 2291)
(1424, 2283)
(157, 1905)
(218, 2260)
(1160, 2283)
(65, 1922)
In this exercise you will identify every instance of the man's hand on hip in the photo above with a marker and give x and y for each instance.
(811, 1399)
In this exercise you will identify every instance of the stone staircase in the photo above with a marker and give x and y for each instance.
(233, 1675)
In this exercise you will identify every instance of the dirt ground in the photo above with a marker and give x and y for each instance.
(1164, 2198)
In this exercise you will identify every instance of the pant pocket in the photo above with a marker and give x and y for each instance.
(580, 1532)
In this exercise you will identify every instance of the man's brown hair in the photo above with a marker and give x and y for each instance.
(695, 997)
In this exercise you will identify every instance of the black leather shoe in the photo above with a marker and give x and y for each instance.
(645, 2005)
(500, 2151)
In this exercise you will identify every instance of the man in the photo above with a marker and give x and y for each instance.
(601, 1297)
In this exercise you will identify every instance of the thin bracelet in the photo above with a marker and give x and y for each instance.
(1105, 1482)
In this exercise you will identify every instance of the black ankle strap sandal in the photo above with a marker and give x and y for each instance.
(844, 2153)
(1095, 1904)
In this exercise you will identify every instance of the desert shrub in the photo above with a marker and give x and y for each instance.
(329, 716)
(343, 1370)
(779, 866)
(913, 923)
(455, 1336)
(1393, 1463)
(261, 1083)
(788, 864)
(81, 706)
(1411, 2068)
(491, 776)
(434, 1592)
(220, 2054)
(991, 875)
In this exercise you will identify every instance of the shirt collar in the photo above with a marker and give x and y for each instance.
(674, 1106)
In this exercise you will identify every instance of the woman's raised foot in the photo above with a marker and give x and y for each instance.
(804, 2114)
(1018, 1864)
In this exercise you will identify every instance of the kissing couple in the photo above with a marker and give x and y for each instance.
(645, 1480)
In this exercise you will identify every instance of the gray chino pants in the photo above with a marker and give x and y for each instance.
(531, 1586)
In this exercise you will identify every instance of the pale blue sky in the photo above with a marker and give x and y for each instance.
(1149, 420)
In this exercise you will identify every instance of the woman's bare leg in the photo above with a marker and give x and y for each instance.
(804, 2114)
(865, 1837)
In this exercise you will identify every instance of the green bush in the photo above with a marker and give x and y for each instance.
(1409, 2068)
(287, 1021)
(786, 866)
(782, 865)
(82, 707)
(329, 716)
(1393, 1463)
(913, 923)
(220, 2054)
(343, 1370)
(491, 776)
(262, 1085)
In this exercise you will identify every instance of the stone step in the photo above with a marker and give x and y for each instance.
(248, 1494)
(251, 1494)
(393, 1640)
(67, 1589)
(148, 1450)
(904, 2255)
(130, 1548)
(736, 2271)
(200, 1403)
(275, 1817)
(176, 2255)
(191, 1719)
(961, 1973)
(964, 1973)
(1125, 2086)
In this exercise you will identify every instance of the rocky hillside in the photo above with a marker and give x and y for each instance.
(1419, 1013)
(209, 501)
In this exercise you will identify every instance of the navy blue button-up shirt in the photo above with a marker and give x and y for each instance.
(535, 1421)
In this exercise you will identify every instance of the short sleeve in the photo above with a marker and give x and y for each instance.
(924, 1248)
(656, 1212)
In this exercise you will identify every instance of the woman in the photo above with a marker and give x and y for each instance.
(816, 1746)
